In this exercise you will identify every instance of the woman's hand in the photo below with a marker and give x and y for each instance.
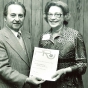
(58, 74)
(61, 72)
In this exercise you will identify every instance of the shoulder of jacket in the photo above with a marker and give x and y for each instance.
(72, 31)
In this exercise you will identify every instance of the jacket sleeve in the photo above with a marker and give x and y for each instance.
(7, 72)
(80, 55)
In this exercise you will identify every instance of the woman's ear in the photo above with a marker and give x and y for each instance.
(45, 17)
(67, 17)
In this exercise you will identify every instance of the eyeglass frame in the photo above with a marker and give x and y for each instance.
(57, 15)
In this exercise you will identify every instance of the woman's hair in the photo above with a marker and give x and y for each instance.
(13, 3)
(60, 4)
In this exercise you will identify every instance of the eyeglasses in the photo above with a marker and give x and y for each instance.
(57, 15)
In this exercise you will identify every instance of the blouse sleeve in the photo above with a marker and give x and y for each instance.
(80, 55)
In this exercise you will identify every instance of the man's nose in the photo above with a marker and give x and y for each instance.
(17, 18)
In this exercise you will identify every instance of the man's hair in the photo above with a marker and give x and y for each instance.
(13, 3)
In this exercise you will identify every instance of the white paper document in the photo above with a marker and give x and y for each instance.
(44, 63)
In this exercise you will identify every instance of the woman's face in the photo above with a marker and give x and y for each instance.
(55, 17)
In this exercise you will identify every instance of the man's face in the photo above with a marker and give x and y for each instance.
(15, 17)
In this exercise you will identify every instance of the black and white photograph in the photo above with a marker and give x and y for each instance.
(43, 43)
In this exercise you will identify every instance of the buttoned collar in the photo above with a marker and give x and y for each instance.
(49, 35)
(58, 34)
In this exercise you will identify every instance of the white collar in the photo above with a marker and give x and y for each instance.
(15, 33)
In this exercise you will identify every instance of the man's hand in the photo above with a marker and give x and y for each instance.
(34, 80)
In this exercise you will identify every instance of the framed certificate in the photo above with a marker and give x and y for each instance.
(44, 63)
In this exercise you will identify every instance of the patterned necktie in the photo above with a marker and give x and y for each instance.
(19, 35)
(20, 40)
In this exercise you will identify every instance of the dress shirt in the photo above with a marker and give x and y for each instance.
(19, 38)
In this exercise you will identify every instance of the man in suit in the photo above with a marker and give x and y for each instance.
(15, 50)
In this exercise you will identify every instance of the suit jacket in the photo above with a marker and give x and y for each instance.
(14, 61)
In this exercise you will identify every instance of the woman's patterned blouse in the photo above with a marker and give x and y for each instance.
(71, 46)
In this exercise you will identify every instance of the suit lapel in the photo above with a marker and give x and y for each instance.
(28, 43)
(12, 41)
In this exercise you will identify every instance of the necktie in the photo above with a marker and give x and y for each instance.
(19, 35)
(20, 40)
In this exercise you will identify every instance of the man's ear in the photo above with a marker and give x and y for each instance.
(4, 18)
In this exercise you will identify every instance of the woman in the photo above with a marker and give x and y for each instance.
(72, 61)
